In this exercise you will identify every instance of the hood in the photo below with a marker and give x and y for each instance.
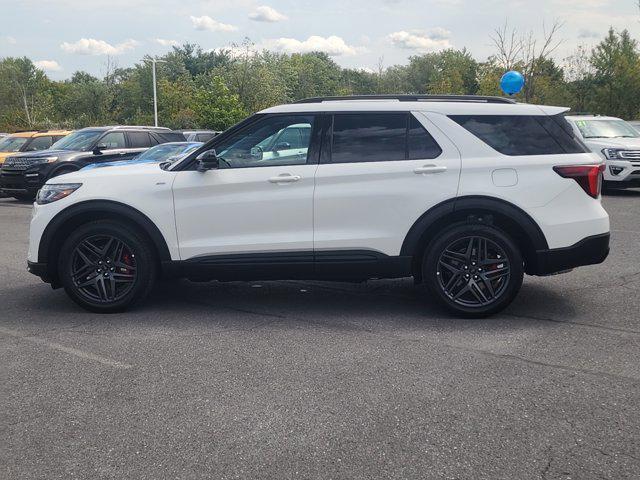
(597, 144)
(125, 171)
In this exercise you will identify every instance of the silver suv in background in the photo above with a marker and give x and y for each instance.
(617, 142)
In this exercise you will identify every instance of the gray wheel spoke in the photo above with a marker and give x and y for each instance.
(103, 268)
(473, 271)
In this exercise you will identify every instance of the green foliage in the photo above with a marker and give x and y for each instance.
(215, 89)
(215, 107)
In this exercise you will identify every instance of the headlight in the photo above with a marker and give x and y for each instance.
(47, 159)
(612, 153)
(56, 191)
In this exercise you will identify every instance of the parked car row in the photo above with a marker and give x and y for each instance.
(29, 159)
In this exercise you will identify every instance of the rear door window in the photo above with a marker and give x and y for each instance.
(113, 140)
(39, 143)
(420, 144)
(380, 137)
(139, 140)
(518, 135)
(369, 137)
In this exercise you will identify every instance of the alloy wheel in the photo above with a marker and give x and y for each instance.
(103, 268)
(473, 271)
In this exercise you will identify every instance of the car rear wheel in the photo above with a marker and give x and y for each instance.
(106, 267)
(474, 270)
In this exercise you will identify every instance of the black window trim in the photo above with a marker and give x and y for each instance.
(328, 146)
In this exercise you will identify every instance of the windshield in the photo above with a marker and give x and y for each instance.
(12, 144)
(606, 129)
(78, 141)
(164, 152)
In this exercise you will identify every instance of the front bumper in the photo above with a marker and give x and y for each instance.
(41, 270)
(29, 181)
(588, 251)
(622, 173)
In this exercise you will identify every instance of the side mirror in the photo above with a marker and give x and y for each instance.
(207, 161)
(97, 150)
(256, 153)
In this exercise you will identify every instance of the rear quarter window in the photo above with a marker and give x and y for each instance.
(519, 135)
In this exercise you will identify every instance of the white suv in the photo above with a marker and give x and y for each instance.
(617, 142)
(465, 194)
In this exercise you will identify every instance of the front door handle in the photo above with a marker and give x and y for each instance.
(285, 178)
(428, 169)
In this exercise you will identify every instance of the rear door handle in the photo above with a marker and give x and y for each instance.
(428, 169)
(285, 178)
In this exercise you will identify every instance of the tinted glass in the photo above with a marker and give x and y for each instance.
(113, 140)
(204, 137)
(289, 138)
(39, 143)
(12, 144)
(78, 141)
(369, 137)
(167, 151)
(164, 137)
(561, 131)
(420, 144)
(606, 129)
(255, 145)
(139, 140)
(513, 134)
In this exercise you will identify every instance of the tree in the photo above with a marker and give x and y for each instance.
(616, 64)
(215, 106)
(28, 87)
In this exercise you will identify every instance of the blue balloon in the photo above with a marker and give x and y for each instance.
(512, 82)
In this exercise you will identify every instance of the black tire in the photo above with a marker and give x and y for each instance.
(473, 286)
(115, 281)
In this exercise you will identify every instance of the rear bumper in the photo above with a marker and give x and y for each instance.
(588, 251)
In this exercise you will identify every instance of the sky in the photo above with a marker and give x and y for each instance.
(63, 36)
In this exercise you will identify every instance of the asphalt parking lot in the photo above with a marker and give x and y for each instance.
(318, 380)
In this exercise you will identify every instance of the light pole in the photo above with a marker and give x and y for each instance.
(155, 89)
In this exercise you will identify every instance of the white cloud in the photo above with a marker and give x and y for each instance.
(91, 46)
(435, 39)
(167, 43)
(10, 40)
(266, 14)
(48, 65)
(207, 23)
(333, 45)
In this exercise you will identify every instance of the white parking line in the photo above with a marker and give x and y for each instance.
(62, 348)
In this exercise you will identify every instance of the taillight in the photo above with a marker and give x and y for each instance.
(589, 177)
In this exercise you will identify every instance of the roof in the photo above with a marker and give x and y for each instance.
(590, 117)
(40, 133)
(128, 127)
(445, 107)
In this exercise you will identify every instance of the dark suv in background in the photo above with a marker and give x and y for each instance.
(23, 174)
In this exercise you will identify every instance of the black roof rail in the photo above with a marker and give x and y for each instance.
(413, 98)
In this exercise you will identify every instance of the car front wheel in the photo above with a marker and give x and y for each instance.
(106, 267)
(474, 270)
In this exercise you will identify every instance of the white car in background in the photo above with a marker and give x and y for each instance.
(617, 142)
